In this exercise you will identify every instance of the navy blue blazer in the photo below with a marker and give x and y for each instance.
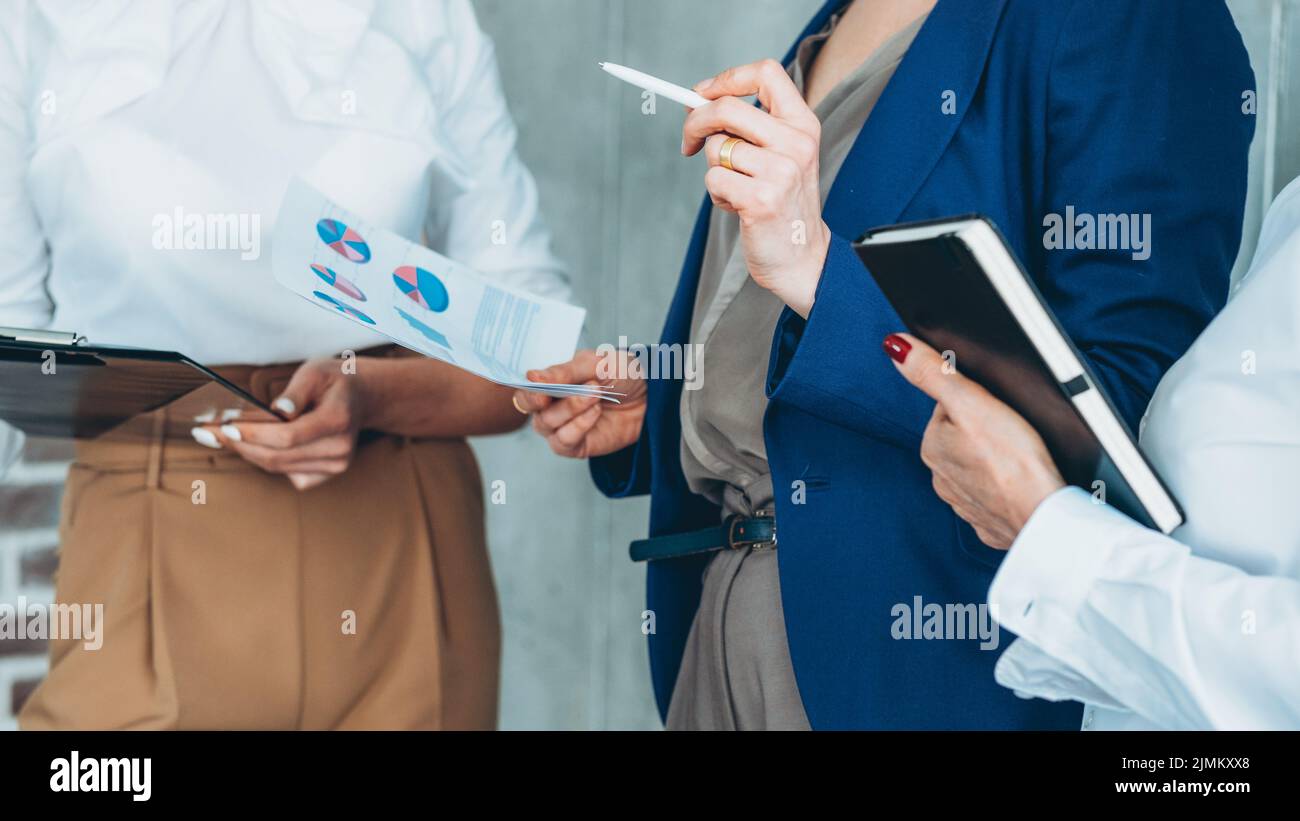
(1105, 106)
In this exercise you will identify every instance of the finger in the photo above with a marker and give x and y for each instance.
(570, 436)
(307, 481)
(937, 443)
(320, 423)
(770, 81)
(937, 420)
(952, 493)
(753, 125)
(751, 160)
(324, 467)
(565, 411)
(741, 153)
(541, 428)
(964, 513)
(222, 415)
(580, 369)
(926, 369)
(745, 195)
(531, 401)
(256, 415)
(301, 391)
(284, 460)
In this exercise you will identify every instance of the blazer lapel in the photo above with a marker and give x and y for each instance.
(907, 132)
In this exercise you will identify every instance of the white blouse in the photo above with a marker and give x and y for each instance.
(125, 123)
(1201, 630)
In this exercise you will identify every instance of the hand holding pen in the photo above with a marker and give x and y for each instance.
(763, 166)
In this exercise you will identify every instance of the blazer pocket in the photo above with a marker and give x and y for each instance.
(971, 545)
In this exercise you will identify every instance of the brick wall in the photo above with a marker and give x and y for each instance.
(29, 509)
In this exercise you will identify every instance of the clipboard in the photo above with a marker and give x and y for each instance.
(56, 384)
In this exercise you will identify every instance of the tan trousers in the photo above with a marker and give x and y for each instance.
(232, 600)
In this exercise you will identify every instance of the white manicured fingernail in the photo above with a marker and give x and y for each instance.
(206, 417)
(231, 413)
(285, 405)
(206, 438)
(231, 432)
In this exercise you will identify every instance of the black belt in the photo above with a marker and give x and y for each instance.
(735, 533)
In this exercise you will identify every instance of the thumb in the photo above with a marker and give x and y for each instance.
(926, 369)
(577, 371)
(303, 388)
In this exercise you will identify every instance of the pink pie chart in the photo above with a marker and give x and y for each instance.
(341, 283)
(344, 240)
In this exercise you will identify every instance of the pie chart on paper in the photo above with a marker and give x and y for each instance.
(344, 240)
(341, 284)
(422, 287)
(344, 309)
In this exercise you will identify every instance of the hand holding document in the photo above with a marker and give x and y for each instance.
(421, 299)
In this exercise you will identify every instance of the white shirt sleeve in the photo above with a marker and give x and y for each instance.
(24, 255)
(1115, 614)
(494, 226)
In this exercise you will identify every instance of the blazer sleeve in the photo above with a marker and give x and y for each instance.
(624, 473)
(1144, 118)
(832, 366)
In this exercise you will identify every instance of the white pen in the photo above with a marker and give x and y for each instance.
(654, 85)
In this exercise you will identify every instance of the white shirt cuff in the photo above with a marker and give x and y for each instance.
(1040, 589)
(1053, 563)
(1031, 673)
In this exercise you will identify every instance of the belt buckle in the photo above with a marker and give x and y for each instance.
(735, 532)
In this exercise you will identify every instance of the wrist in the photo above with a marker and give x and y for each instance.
(799, 291)
(1036, 492)
(367, 382)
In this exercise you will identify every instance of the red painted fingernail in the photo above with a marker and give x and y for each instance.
(897, 347)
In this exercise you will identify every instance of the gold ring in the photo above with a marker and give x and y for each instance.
(724, 154)
(514, 400)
